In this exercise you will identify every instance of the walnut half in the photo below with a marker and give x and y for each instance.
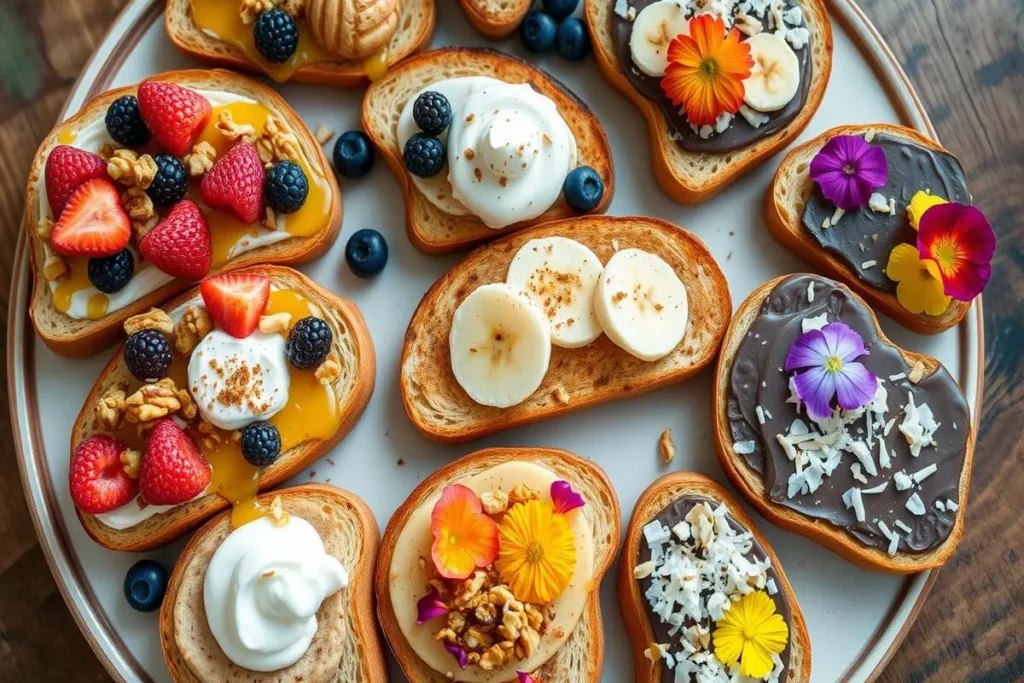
(153, 319)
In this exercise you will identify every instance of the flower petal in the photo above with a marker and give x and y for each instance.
(564, 498)
(904, 263)
(756, 661)
(816, 387)
(525, 677)
(960, 239)
(855, 386)
(459, 653)
(919, 205)
(464, 537)
(872, 167)
(842, 341)
(429, 607)
(848, 169)
(808, 351)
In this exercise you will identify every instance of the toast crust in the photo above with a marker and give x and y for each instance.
(360, 589)
(654, 499)
(783, 211)
(748, 482)
(351, 340)
(495, 22)
(603, 514)
(669, 161)
(430, 229)
(594, 374)
(73, 338)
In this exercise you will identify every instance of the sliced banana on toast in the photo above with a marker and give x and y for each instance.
(653, 29)
(775, 76)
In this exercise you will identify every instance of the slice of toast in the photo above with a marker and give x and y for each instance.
(72, 337)
(750, 484)
(430, 229)
(576, 378)
(495, 19)
(352, 389)
(652, 501)
(415, 28)
(346, 632)
(581, 657)
(689, 177)
(784, 208)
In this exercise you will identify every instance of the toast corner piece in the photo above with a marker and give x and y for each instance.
(493, 19)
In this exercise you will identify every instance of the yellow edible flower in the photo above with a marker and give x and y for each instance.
(537, 551)
(920, 287)
(750, 633)
(919, 203)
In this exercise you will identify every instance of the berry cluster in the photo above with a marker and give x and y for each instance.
(554, 26)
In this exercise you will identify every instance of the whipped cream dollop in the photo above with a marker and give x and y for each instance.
(263, 588)
(508, 149)
(238, 381)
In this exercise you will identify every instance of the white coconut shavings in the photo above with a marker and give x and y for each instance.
(794, 16)
(878, 203)
(902, 527)
(755, 118)
(889, 426)
(863, 455)
(883, 455)
(621, 8)
(939, 505)
(868, 265)
(814, 322)
(760, 414)
(916, 505)
(894, 538)
(798, 38)
(924, 473)
(918, 426)
(877, 489)
(810, 291)
(857, 474)
(836, 216)
(853, 498)
(744, 447)
(758, 8)
(771, 587)
(897, 377)
(952, 505)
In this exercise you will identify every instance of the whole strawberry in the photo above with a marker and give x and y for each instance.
(99, 478)
(180, 244)
(235, 183)
(174, 115)
(173, 470)
(67, 168)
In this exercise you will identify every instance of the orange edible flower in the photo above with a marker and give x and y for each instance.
(464, 537)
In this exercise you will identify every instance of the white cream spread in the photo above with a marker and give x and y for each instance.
(136, 512)
(508, 149)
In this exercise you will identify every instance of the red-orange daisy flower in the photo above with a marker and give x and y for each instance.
(706, 70)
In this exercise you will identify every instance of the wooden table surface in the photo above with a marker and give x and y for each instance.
(966, 59)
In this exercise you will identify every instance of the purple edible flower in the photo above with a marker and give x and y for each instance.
(459, 654)
(429, 607)
(564, 498)
(525, 677)
(828, 358)
(848, 169)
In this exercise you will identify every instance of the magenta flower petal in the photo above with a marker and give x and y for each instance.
(525, 677)
(842, 342)
(816, 387)
(564, 498)
(855, 386)
(848, 169)
(808, 351)
(961, 241)
(429, 607)
(459, 654)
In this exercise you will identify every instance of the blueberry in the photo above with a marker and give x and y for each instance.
(261, 443)
(110, 274)
(583, 189)
(285, 187)
(424, 155)
(276, 35)
(538, 32)
(170, 184)
(309, 342)
(353, 154)
(560, 9)
(147, 354)
(366, 252)
(432, 112)
(124, 122)
(145, 585)
(572, 41)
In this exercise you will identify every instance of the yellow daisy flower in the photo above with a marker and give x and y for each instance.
(919, 203)
(536, 551)
(920, 287)
(749, 633)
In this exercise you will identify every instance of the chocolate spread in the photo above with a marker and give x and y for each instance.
(864, 236)
(757, 379)
(740, 134)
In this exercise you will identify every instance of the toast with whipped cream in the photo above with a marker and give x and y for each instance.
(491, 569)
(80, 296)
(230, 389)
(738, 616)
(301, 575)
(512, 136)
(495, 20)
(560, 317)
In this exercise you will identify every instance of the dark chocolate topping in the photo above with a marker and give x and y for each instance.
(740, 134)
(864, 235)
(757, 379)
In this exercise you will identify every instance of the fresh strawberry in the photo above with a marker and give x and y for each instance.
(173, 114)
(173, 470)
(180, 244)
(235, 183)
(236, 301)
(99, 479)
(93, 223)
(67, 168)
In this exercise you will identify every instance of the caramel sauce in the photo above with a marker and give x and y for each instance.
(376, 66)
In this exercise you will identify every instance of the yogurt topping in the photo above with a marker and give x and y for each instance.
(263, 588)
(508, 149)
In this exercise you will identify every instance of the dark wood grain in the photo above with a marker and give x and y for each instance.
(966, 59)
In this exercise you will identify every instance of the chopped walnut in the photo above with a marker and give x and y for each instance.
(471, 587)
(195, 324)
(128, 168)
(296, 9)
(521, 493)
(111, 407)
(44, 228)
(200, 159)
(278, 515)
(189, 409)
(328, 370)
(496, 656)
(527, 643)
(456, 622)
(277, 143)
(278, 322)
(106, 151)
(211, 435)
(137, 204)
(668, 448)
(233, 131)
(54, 265)
(250, 9)
(153, 401)
(323, 134)
(131, 461)
(269, 219)
(494, 502)
(916, 372)
(153, 319)
(141, 228)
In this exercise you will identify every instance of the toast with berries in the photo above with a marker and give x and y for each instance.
(120, 162)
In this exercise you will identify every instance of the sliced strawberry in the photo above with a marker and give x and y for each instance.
(99, 479)
(93, 223)
(173, 114)
(67, 168)
(180, 244)
(235, 183)
(236, 301)
(173, 470)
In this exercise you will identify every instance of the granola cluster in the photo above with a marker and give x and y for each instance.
(132, 169)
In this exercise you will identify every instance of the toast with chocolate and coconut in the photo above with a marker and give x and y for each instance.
(495, 20)
(832, 431)
(439, 601)
(776, 64)
(685, 522)
(501, 137)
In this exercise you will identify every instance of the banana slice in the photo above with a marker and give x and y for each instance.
(560, 277)
(775, 78)
(641, 304)
(500, 346)
(653, 29)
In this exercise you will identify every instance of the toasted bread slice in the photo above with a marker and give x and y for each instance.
(576, 378)
(79, 338)
(415, 28)
(352, 390)
(430, 229)
(495, 19)
(750, 484)
(652, 501)
(688, 177)
(346, 632)
(581, 656)
(784, 208)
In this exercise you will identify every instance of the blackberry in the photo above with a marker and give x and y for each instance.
(147, 354)
(309, 342)
(124, 123)
(432, 112)
(285, 187)
(261, 443)
(110, 274)
(170, 184)
(276, 35)
(424, 155)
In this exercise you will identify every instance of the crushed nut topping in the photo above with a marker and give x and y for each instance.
(54, 265)
(44, 228)
(916, 373)
(195, 324)
(200, 159)
(137, 204)
(153, 401)
(278, 322)
(494, 502)
(656, 651)
(211, 436)
(278, 514)
(106, 151)
(328, 370)
(521, 493)
(323, 134)
(234, 131)
(128, 168)
(131, 460)
(668, 447)
(269, 219)
(141, 228)
(153, 319)
(277, 143)
(250, 9)
(296, 9)
(111, 407)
